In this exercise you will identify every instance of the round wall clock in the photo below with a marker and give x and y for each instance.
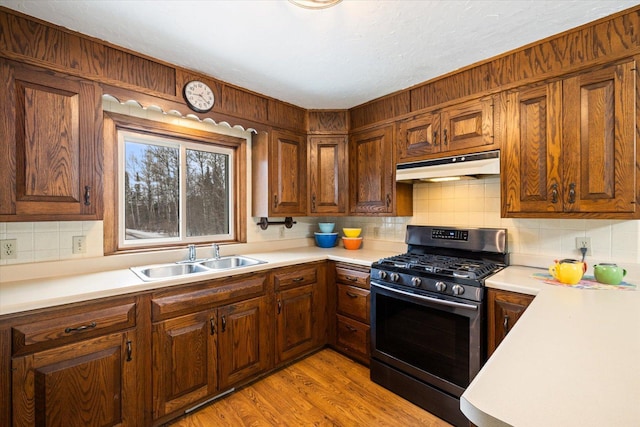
(198, 95)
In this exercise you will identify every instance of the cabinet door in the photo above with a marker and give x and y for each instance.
(288, 173)
(467, 125)
(50, 146)
(532, 150)
(328, 174)
(184, 361)
(505, 308)
(243, 340)
(371, 177)
(91, 383)
(294, 322)
(599, 140)
(419, 137)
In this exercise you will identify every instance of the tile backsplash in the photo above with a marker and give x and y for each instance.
(464, 204)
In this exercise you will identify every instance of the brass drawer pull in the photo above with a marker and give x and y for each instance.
(351, 328)
(351, 294)
(351, 278)
(129, 351)
(298, 279)
(81, 328)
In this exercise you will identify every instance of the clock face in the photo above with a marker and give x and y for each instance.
(199, 96)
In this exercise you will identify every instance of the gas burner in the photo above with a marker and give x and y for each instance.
(447, 266)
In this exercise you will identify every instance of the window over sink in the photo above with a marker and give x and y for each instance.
(171, 185)
(173, 190)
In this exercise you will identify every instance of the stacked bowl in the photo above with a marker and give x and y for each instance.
(352, 239)
(326, 238)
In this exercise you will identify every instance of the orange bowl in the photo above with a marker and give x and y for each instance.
(352, 242)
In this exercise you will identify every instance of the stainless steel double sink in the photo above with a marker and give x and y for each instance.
(188, 268)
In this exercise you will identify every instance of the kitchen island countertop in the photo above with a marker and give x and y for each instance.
(569, 361)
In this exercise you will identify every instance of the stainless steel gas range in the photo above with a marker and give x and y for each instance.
(428, 326)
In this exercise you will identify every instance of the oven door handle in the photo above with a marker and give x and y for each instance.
(429, 299)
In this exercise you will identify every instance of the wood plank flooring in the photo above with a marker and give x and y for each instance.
(324, 389)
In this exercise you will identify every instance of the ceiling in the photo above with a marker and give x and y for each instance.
(321, 59)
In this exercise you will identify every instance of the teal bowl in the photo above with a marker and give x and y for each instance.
(326, 227)
(326, 240)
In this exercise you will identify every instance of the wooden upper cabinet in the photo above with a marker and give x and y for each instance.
(464, 127)
(50, 140)
(599, 125)
(468, 125)
(279, 174)
(418, 137)
(372, 185)
(533, 154)
(327, 174)
(569, 146)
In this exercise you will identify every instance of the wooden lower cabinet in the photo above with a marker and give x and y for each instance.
(300, 311)
(243, 341)
(505, 308)
(144, 360)
(352, 319)
(71, 368)
(184, 368)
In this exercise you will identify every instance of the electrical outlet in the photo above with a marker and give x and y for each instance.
(79, 245)
(282, 232)
(376, 232)
(8, 249)
(584, 242)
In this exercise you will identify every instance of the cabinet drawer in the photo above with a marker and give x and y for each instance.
(60, 330)
(293, 277)
(352, 277)
(182, 301)
(353, 337)
(353, 302)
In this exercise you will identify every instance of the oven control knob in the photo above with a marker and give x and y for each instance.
(394, 277)
(416, 281)
(382, 274)
(458, 290)
(441, 286)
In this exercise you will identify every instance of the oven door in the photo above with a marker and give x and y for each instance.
(437, 341)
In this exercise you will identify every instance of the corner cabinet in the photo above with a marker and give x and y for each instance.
(372, 186)
(301, 325)
(50, 143)
(570, 147)
(505, 308)
(279, 174)
(328, 175)
(464, 127)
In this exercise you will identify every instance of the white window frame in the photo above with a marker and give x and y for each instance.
(182, 144)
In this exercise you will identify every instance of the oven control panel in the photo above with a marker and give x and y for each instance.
(448, 234)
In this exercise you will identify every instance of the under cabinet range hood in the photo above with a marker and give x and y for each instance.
(466, 166)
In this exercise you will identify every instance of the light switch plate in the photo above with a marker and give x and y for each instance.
(79, 245)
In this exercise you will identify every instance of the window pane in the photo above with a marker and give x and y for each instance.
(152, 190)
(207, 193)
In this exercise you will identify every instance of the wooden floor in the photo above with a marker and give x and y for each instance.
(325, 389)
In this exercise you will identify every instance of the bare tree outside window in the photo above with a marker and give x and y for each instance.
(207, 193)
(152, 191)
(174, 190)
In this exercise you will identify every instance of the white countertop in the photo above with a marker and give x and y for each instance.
(24, 295)
(571, 360)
